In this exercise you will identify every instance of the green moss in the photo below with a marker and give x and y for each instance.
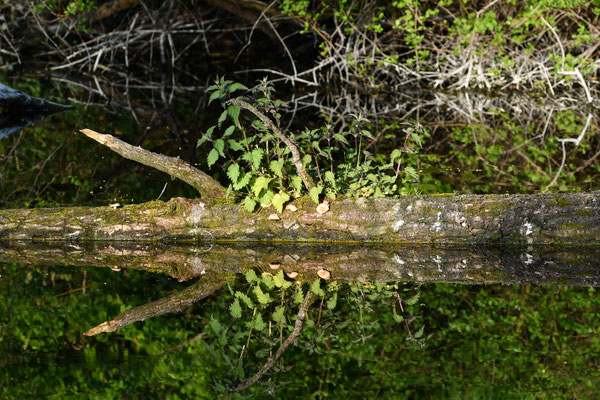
(559, 202)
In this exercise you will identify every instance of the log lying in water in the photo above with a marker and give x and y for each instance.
(454, 219)
(451, 219)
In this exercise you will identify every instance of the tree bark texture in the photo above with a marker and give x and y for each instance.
(561, 219)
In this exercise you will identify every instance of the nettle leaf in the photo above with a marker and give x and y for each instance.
(341, 138)
(262, 297)
(280, 281)
(278, 315)
(220, 145)
(419, 333)
(331, 303)
(249, 203)
(276, 166)
(397, 318)
(213, 156)
(234, 113)
(267, 280)
(222, 118)
(235, 309)
(330, 177)
(235, 145)
(367, 134)
(229, 131)
(244, 181)
(278, 201)
(236, 86)
(413, 300)
(251, 276)
(260, 184)
(257, 323)
(411, 172)
(296, 183)
(315, 287)
(298, 296)
(245, 299)
(206, 136)
(266, 198)
(215, 325)
(314, 193)
(418, 140)
(214, 96)
(233, 172)
(257, 155)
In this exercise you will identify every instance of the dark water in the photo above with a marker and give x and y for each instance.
(95, 323)
(206, 321)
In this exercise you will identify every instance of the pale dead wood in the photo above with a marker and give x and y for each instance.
(206, 185)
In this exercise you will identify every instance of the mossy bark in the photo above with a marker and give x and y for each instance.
(561, 219)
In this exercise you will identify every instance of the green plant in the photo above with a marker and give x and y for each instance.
(265, 165)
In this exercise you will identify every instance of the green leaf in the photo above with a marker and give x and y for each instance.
(278, 315)
(257, 323)
(315, 287)
(251, 276)
(413, 300)
(298, 296)
(331, 303)
(229, 131)
(296, 183)
(235, 145)
(419, 333)
(267, 280)
(206, 136)
(234, 113)
(245, 299)
(257, 155)
(397, 318)
(236, 86)
(219, 145)
(233, 172)
(411, 172)
(341, 138)
(279, 200)
(213, 156)
(314, 193)
(222, 118)
(262, 297)
(330, 177)
(266, 198)
(367, 134)
(276, 166)
(214, 96)
(211, 88)
(260, 184)
(249, 203)
(244, 181)
(235, 309)
(280, 281)
(215, 325)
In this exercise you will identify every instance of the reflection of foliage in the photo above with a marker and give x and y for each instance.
(266, 312)
(501, 341)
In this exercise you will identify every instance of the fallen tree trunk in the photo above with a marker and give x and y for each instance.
(561, 219)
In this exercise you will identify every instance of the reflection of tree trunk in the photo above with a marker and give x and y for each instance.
(577, 266)
(176, 302)
(300, 317)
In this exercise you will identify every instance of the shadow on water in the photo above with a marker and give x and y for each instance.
(259, 320)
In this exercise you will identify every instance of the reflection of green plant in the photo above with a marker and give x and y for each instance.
(265, 315)
(261, 164)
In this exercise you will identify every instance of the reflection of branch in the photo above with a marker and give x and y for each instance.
(173, 303)
(310, 296)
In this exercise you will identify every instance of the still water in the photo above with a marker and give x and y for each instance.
(114, 320)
